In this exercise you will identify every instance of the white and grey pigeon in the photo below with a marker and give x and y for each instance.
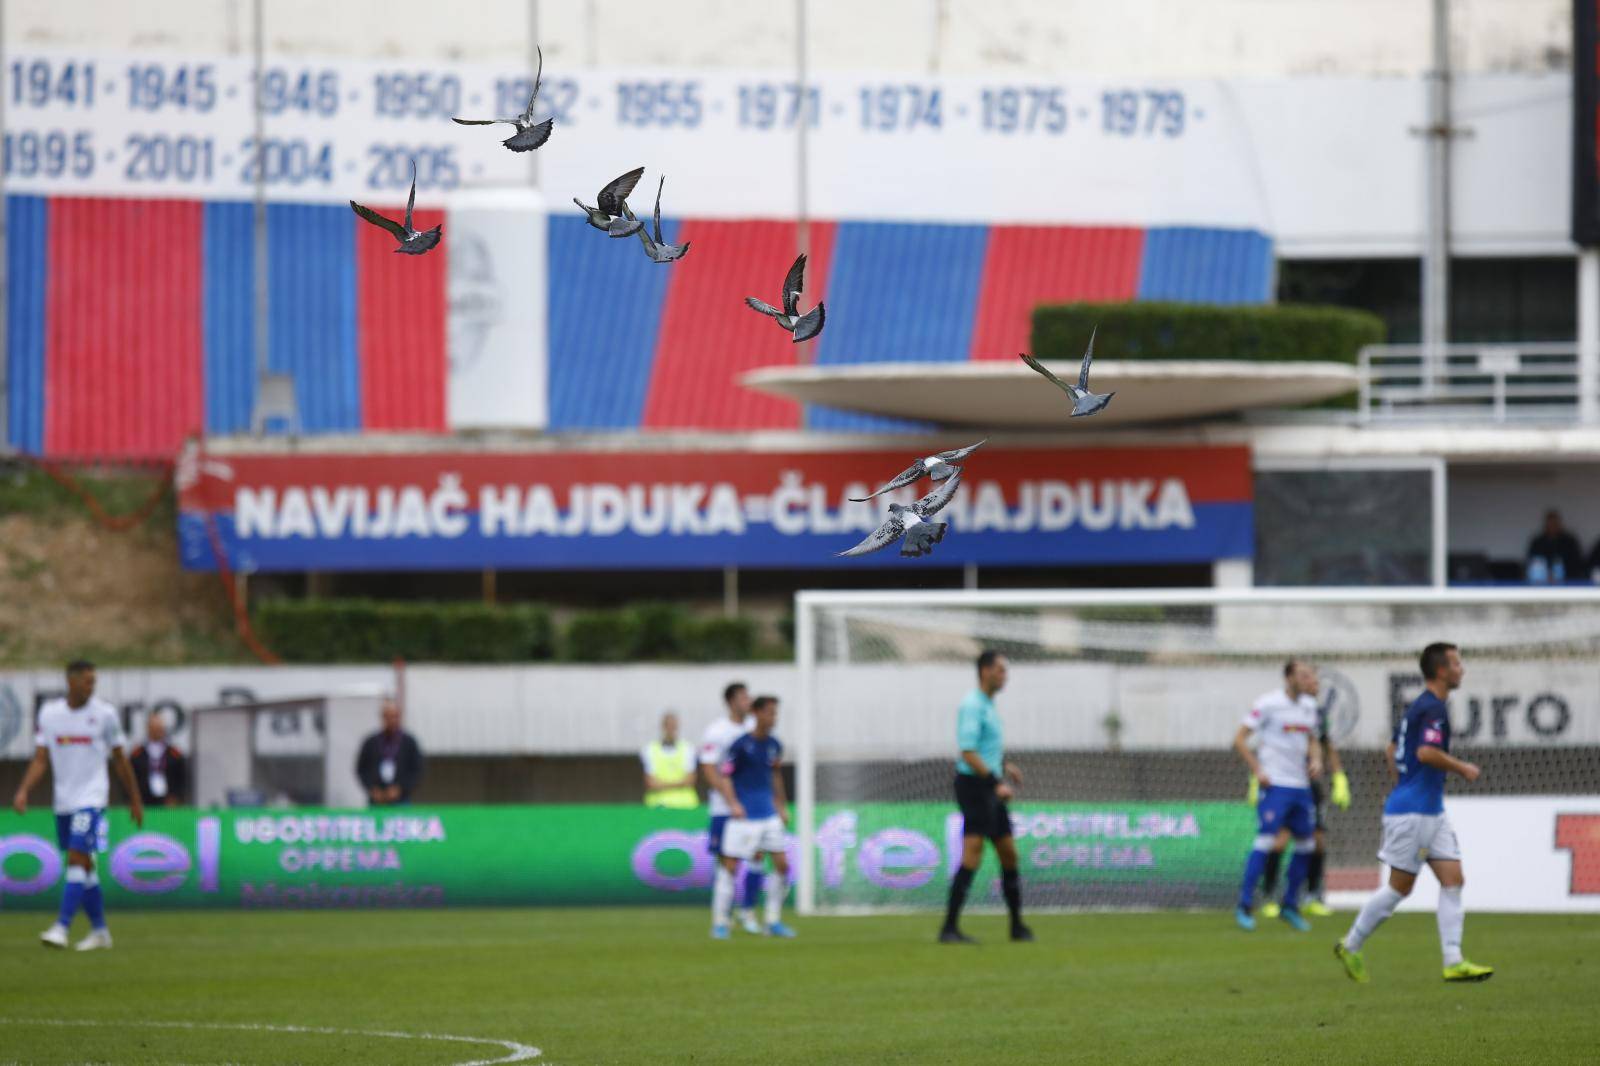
(1084, 402)
(412, 240)
(530, 134)
(608, 213)
(653, 246)
(805, 326)
(912, 523)
(939, 467)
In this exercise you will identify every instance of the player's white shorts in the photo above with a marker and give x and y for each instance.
(1409, 840)
(745, 838)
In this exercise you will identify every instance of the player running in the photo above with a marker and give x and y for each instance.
(74, 738)
(1415, 828)
(1283, 721)
(752, 784)
(714, 744)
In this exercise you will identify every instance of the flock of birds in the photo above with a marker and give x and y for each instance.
(912, 525)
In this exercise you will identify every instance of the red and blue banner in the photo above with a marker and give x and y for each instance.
(697, 509)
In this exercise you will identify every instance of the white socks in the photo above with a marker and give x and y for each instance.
(721, 896)
(774, 887)
(1373, 914)
(1452, 916)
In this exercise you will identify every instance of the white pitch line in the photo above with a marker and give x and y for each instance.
(515, 1052)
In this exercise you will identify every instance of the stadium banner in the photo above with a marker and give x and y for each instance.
(599, 510)
(1325, 163)
(1522, 854)
(885, 854)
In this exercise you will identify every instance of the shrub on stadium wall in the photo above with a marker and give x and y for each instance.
(1268, 333)
(376, 631)
(600, 637)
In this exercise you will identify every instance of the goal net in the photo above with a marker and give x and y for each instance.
(1121, 710)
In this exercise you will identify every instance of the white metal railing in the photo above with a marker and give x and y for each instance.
(1511, 382)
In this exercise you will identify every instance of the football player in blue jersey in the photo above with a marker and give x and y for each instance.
(1415, 828)
(752, 783)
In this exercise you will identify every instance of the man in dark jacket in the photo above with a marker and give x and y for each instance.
(161, 770)
(1555, 544)
(390, 763)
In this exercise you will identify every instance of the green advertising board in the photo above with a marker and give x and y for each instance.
(896, 855)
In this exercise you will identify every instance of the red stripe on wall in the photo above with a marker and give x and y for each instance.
(123, 362)
(1029, 265)
(709, 338)
(401, 304)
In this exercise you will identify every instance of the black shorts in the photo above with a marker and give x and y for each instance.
(983, 814)
(1319, 803)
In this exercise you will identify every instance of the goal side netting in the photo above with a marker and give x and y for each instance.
(1121, 710)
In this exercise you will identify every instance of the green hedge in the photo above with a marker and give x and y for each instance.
(325, 631)
(1203, 331)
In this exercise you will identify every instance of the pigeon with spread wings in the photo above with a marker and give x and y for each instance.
(805, 326)
(653, 246)
(412, 240)
(912, 524)
(1084, 402)
(939, 467)
(530, 134)
(608, 214)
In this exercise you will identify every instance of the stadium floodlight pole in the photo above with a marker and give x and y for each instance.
(1436, 253)
(805, 767)
(259, 217)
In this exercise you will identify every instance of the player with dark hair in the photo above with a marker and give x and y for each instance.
(751, 782)
(982, 795)
(75, 737)
(1415, 828)
(714, 744)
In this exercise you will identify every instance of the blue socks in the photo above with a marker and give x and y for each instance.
(1252, 874)
(94, 904)
(1296, 878)
(754, 878)
(72, 895)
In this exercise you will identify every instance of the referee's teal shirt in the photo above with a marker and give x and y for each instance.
(978, 729)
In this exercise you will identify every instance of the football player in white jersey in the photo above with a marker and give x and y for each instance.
(719, 737)
(1283, 763)
(75, 737)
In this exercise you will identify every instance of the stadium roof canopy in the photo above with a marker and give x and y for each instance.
(1010, 395)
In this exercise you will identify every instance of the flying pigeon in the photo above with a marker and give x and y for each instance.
(912, 524)
(1084, 402)
(530, 134)
(607, 215)
(657, 251)
(938, 467)
(805, 326)
(412, 241)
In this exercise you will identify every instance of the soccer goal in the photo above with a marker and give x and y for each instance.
(1121, 710)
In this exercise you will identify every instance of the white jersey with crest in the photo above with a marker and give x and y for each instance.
(79, 742)
(1284, 726)
(719, 737)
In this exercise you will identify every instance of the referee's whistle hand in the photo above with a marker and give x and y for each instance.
(1004, 791)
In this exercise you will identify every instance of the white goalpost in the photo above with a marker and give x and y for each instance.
(1121, 710)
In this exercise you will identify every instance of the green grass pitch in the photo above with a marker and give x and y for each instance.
(647, 986)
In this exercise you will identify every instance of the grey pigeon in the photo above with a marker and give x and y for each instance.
(912, 524)
(1084, 402)
(657, 251)
(412, 241)
(939, 467)
(805, 326)
(530, 134)
(608, 213)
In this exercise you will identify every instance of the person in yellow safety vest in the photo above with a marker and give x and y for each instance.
(669, 769)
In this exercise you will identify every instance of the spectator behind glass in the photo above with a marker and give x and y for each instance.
(1554, 555)
(390, 763)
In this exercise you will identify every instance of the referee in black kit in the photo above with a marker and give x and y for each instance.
(982, 796)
